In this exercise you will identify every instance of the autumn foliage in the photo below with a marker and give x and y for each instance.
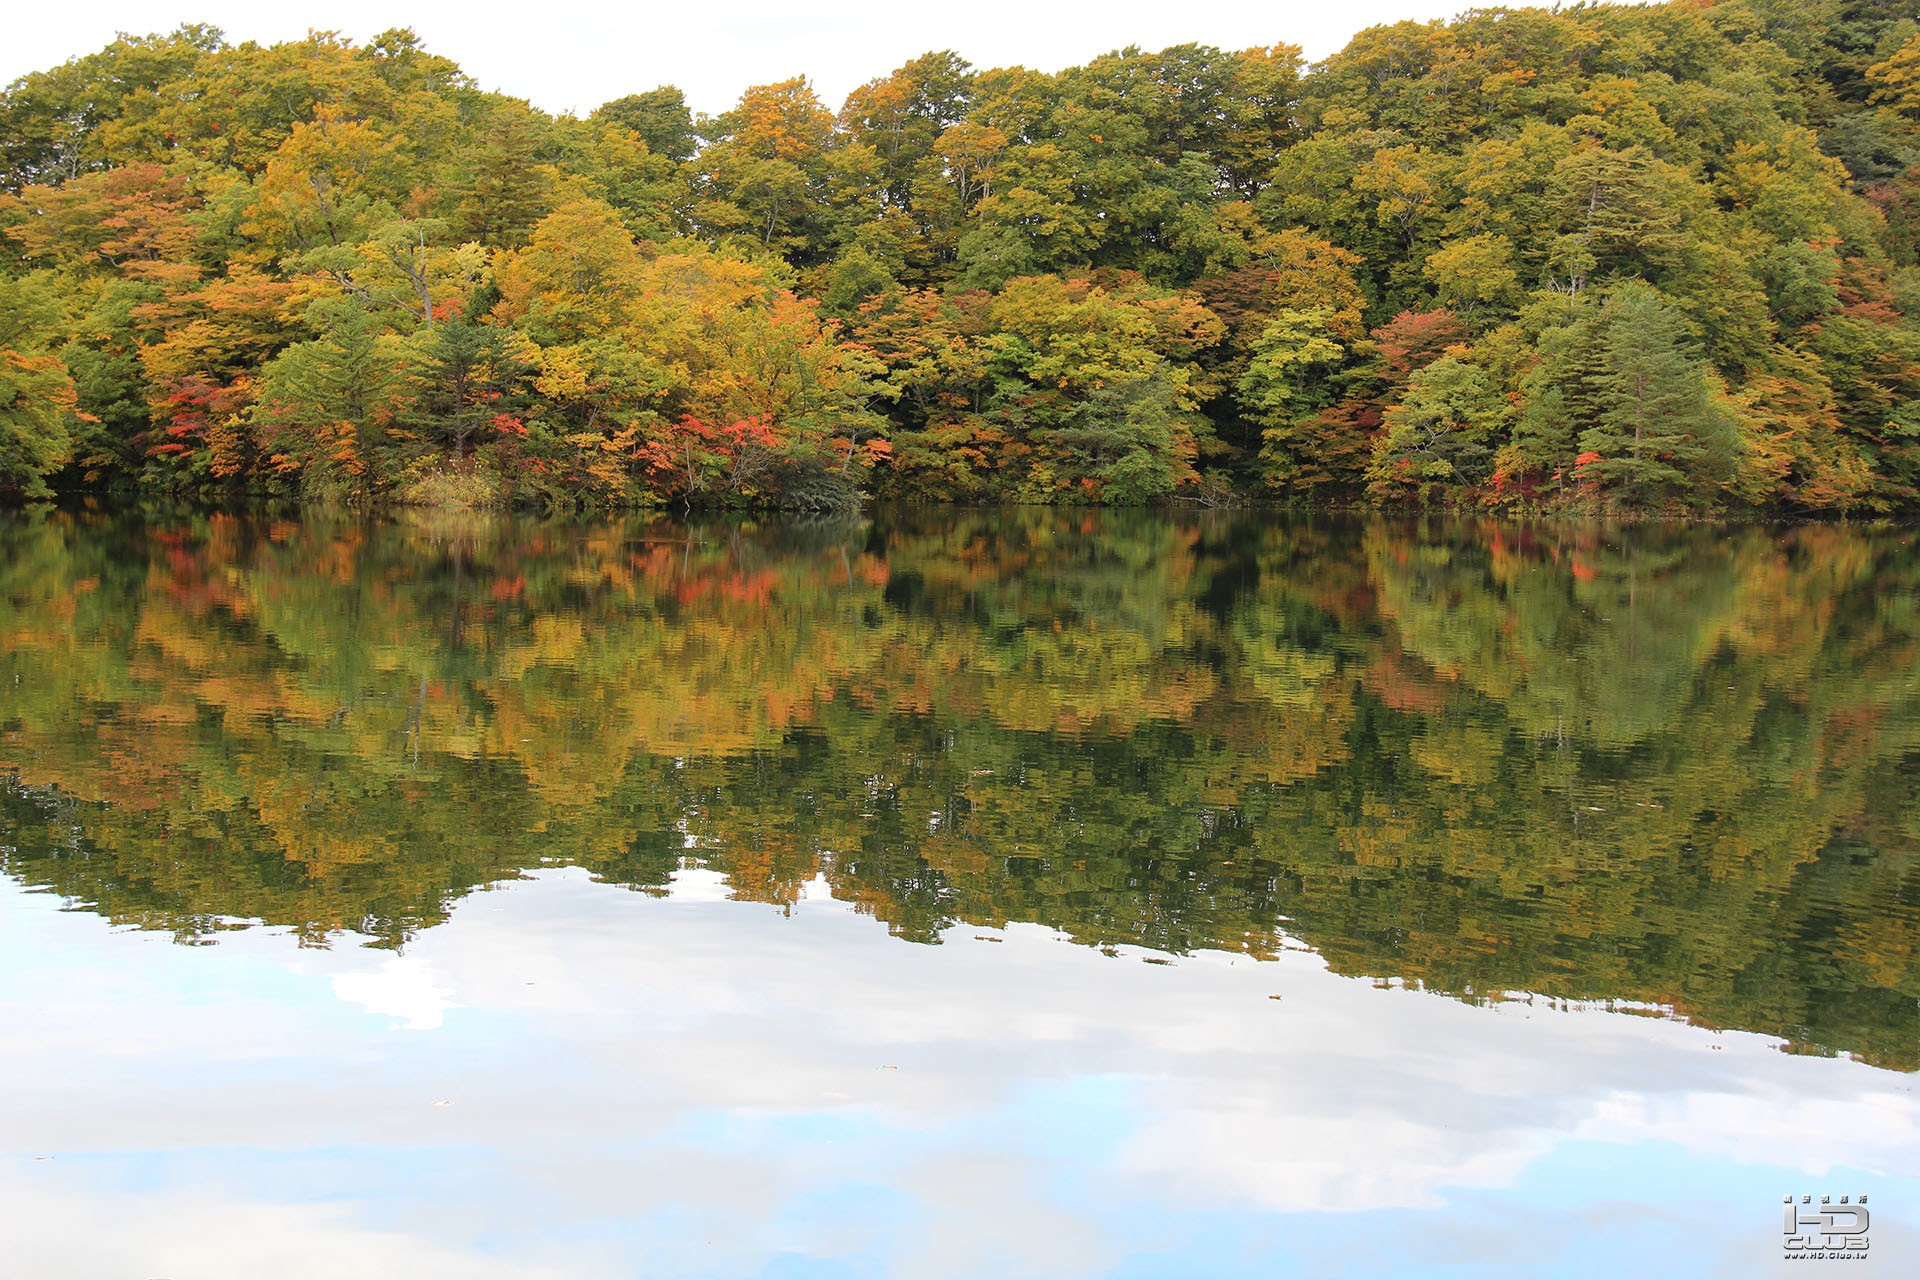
(1444, 266)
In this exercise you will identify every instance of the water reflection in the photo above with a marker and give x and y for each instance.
(1660, 765)
(571, 1084)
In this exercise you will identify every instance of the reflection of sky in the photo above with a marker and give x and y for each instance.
(572, 1080)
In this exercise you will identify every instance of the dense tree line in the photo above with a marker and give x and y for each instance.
(1664, 764)
(1661, 257)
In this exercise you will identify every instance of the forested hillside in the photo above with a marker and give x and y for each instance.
(1661, 258)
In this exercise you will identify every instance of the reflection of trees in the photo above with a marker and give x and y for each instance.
(1649, 763)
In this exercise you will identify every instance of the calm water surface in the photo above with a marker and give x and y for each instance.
(953, 894)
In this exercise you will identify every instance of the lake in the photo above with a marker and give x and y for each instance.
(949, 893)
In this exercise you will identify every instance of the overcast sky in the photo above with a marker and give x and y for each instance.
(572, 55)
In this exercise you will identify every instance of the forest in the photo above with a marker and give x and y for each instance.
(1658, 259)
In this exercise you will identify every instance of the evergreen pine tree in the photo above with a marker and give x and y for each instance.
(1661, 431)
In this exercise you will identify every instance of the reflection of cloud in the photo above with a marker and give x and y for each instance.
(1792, 1128)
(1328, 1163)
(697, 1086)
(197, 1232)
(698, 884)
(403, 987)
